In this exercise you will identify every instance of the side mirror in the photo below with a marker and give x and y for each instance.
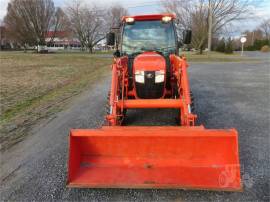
(187, 35)
(110, 39)
(117, 54)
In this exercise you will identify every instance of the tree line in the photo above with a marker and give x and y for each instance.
(196, 14)
(257, 39)
(28, 21)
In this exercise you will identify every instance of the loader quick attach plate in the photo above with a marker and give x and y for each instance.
(154, 157)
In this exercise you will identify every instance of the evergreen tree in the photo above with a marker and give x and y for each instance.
(221, 46)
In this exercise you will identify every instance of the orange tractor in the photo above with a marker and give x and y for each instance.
(148, 73)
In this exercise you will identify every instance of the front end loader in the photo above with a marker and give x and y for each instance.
(148, 73)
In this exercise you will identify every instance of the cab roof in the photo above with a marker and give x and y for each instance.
(149, 17)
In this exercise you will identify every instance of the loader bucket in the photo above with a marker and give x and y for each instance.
(154, 157)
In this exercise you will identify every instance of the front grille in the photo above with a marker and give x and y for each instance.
(149, 89)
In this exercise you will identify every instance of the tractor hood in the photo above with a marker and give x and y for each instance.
(149, 69)
(149, 61)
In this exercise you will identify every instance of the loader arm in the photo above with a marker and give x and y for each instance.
(179, 66)
(118, 92)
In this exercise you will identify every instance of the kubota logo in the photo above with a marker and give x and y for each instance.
(149, 76)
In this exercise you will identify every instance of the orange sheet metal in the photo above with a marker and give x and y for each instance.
(154, 157)
(151, 103)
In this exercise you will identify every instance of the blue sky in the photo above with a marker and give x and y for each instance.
(260, 8)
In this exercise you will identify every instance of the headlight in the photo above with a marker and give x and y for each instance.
(139, 76)
(129, 20)
(166, 19)
(159, 78)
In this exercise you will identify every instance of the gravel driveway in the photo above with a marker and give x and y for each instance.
(227, 95)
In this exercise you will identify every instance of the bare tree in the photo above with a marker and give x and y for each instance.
(113, 18)
(199, 25)
(28, 21)
(16, 29)
(265, 27)
(114, 15)
(252, 36)
(87, 23)
(60, 23)
(195, 13)
(191, 16)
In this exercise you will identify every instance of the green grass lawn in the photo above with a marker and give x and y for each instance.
(35, 86)
(215, 57)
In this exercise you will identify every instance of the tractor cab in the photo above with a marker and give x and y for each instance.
(158, 35)
(148, 41)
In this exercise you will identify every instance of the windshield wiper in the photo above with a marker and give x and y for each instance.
(152, 49)
(136, 53)
(163, 48)
(158, 50)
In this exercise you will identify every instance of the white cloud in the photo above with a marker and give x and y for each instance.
(259, 12)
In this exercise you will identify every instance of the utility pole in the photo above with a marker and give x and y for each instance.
(210, 23)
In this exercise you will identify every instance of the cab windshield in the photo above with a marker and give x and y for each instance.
(148, 36)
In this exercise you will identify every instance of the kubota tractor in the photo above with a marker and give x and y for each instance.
(148, 73)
